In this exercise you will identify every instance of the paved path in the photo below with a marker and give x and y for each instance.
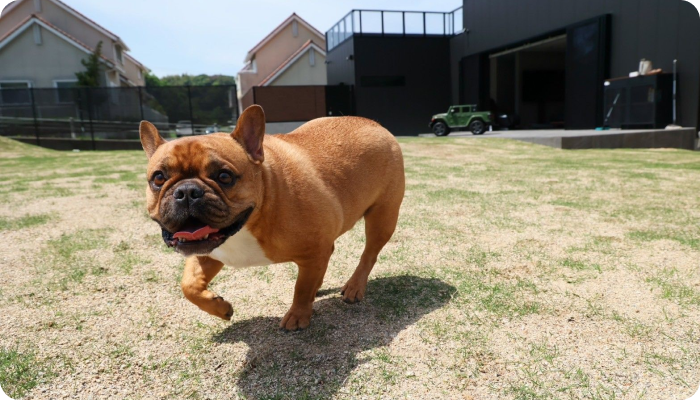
(549, 133)
(685, 138)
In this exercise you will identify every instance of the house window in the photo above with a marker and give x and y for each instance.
(295, 28)
(312, 57)
(15, 92)
(64, 91)
(119, 54)
(140, 74)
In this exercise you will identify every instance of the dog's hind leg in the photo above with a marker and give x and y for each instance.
(380, 223)
(199, 271)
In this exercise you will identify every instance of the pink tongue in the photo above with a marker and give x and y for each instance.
(199, 234)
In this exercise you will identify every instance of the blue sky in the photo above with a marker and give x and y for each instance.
(213, 36)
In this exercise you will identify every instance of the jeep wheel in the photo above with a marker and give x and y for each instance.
(440, 129)
(477, 127)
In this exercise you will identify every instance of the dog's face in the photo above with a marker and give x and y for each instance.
(202, 190)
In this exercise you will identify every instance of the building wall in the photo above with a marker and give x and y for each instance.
(341, 71)
(659, 30)
(75, 27)
(404, 110)
(278, 50)
(247, 100)
(131, 71)
(246, 81)
(54, 59)
(275, 52)
(303, 73)
(111, 78)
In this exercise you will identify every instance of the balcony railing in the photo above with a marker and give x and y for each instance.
(383, 22)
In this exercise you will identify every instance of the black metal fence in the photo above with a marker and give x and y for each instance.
(114, 113)
(386, 22)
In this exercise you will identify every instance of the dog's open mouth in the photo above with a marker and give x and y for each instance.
(196, 237)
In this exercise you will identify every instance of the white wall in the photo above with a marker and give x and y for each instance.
(303, 73)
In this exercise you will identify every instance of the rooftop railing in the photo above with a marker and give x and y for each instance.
(384, 22)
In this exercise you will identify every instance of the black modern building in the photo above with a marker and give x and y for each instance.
(398, 63)
(544, 61)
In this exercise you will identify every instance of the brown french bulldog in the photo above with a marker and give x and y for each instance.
(250, 199)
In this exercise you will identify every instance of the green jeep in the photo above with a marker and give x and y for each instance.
(461, 117)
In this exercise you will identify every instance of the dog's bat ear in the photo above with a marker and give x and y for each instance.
(150, 138)
(250, 131)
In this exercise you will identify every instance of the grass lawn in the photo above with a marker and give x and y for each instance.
(517, 272)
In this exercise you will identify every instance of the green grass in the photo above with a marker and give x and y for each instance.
(21, 371)
(401, 294)
(71, 259)
(67, 247)
(687, 239)
(451, 195)
(27, 221)
(516, 272)
(674, 287)
(578, 265)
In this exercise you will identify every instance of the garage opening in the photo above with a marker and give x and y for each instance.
(528, 84)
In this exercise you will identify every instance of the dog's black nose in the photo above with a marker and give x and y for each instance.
(188, 193)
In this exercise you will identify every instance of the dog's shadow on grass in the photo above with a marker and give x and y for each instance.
(316, 362)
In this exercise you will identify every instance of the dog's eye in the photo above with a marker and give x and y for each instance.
(159, 179)
(225, 178)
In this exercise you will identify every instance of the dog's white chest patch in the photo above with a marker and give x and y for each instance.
(241, 250)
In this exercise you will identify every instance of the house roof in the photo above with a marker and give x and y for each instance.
(80, 16)
(13, 30)
(290, 61)
(266, 39)
(35, 19)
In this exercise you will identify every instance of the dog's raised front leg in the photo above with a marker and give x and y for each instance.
(308, 282)
(199, 271)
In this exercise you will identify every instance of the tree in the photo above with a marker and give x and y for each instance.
(210, 97)
(91, 76)
(190, 80)
(152, 80)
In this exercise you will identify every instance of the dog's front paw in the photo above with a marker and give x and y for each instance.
(353, 291)
(221, 308)
(297, 318)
